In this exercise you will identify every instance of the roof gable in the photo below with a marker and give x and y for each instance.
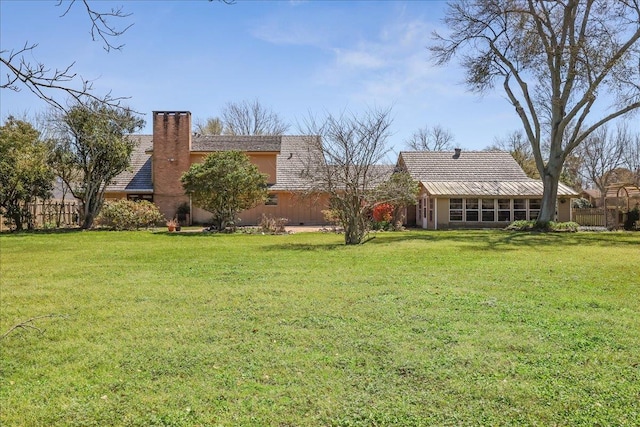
(138, 176)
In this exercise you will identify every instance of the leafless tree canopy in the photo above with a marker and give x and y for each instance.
(555, 59)
(434, 138)
(349, 150)
(212, 126)
(46, 83)
(251, 118)
(603, 155)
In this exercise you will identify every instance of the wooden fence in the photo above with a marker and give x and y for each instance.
(49, 213)
(594, 217)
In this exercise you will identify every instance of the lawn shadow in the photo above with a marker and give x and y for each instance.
(480, 240)
(306, 247)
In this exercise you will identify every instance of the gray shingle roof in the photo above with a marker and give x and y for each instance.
(207, 143)
(294, 157)
(469, 166)
(138, 177)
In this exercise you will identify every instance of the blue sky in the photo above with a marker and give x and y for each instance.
(295, 57)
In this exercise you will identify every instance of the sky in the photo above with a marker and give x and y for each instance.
(298, 58)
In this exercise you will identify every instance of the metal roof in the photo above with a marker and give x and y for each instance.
(491, 188)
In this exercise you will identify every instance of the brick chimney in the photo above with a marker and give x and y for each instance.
(170, 159)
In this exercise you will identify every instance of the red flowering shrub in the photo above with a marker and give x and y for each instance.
(383, 212)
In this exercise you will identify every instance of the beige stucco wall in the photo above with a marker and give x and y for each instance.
(297, 209)
(564, 210)
(266, 163)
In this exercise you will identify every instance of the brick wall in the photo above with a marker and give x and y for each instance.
(171, 147)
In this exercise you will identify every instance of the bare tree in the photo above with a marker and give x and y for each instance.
(434, 138)
(631, 158)
(555, 60)
(44, 82)
(251, 118)
(601, 155)
(344, 163)
(212, 126)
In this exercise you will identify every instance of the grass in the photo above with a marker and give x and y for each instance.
(410, 329)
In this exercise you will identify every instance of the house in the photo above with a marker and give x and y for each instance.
(160, 160)
(475, 189)
(457, 189)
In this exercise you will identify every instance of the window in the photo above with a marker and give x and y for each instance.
(431, 209)
(488, 210)
(455, 209)
(424, 209)
(471, 209)
(420, 203)
(136, 197)
(504, 210)
(519, 209)
(272, 200)
(534, 208)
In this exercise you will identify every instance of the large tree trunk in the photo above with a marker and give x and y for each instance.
(550, 180)
(549, 196)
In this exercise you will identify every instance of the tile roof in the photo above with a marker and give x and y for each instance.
(138, 177)
(208, 143)
(469, 166)
(295, 155)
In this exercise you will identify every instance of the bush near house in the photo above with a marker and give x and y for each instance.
(130, 215)
(524, 225)
(631, 222)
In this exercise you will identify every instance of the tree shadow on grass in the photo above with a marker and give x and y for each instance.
(478, 240)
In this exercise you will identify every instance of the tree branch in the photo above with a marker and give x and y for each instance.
(29, 324)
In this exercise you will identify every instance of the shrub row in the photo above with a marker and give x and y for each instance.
(532, 225)
(130, 215)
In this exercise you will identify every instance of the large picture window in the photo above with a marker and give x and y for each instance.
(455, 209)
(534, 208)
(519, 209)
(471, 209)
(488, 210)
(504, 209)
(492, 210)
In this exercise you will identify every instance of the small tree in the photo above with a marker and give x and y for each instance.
(343, 163)
(24, 174)
(399, 191)
(225, 184)
(93, 144)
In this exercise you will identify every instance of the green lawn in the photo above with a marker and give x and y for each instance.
(454, 328)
